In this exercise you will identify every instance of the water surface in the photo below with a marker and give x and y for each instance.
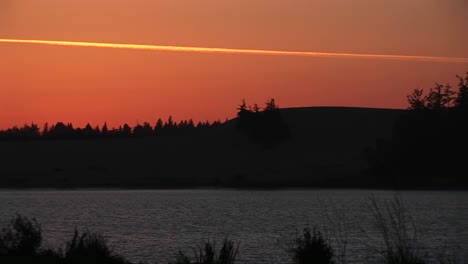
(153, 225)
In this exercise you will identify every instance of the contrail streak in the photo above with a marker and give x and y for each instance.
(238, 51)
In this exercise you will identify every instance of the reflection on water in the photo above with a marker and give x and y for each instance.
(154, 225)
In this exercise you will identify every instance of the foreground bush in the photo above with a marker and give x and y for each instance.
(20, 243)
(311, 247)
(21, 237)
(208, 255)
(90, 247)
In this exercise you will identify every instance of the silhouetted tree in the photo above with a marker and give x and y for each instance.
(126, 130)
(203, 125)
(182, 125)
(264, 127)
(88, 131)
(97, 131)
(256, 108)
(143, 130)
(170, 123)
(428, 148)
(270, 105)
(66, 131)
(242, 107)
(105, 130)
(461, 102)
(440, 97)
(45, 130)
(61, 131)
(159, 126)
(138, 130)
(190, 124)
(147, 129)
(449, 96)
(29, 131)
(416, 100)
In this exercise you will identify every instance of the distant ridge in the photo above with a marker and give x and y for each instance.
(325, 150)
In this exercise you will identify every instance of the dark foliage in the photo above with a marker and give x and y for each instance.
(311, 247)
(429, 144)
(265, 127)
(67, 131)
(91, 248)
(208, 255)
(22, 237)
(20, 242)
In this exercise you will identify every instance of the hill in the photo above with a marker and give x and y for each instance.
(325, 150)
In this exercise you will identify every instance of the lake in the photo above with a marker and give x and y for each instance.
(153, 225)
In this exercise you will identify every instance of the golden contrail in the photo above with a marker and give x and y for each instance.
(238, 51)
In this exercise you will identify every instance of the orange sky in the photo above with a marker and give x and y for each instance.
(76, 84)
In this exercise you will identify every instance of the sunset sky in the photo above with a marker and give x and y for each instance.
(43, 83)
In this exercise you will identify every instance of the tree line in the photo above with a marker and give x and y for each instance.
(261, 125)
(62, 130)
(429, 145)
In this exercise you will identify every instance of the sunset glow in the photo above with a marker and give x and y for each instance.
(125, 61)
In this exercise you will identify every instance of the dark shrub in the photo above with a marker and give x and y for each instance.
(21, 237)
(91, 248)
(207, 254)
(311, 247)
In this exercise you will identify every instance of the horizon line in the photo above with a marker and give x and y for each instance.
(196, 121)
(169, 48)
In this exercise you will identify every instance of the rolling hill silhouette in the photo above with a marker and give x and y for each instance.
(325, 150)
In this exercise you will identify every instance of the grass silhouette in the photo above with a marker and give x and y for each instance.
(21, 240)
